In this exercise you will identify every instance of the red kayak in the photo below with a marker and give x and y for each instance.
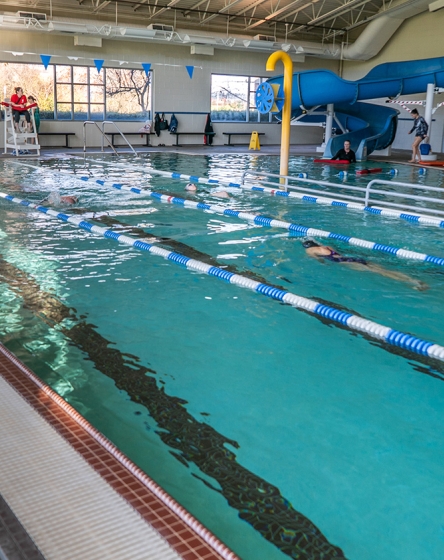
(332, 161)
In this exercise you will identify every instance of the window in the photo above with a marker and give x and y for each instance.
(80, 93)
(34, 80)
(66, 92)
(233, 99)
(128, 94)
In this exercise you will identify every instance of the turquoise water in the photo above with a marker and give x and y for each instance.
(256, 417)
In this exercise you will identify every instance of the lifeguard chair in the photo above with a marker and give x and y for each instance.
(19, 142)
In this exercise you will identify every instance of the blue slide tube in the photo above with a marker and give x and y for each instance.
(369, 127)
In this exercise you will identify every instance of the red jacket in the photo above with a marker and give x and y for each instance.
(16, 101)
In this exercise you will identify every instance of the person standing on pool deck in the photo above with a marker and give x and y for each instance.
(323, 252)
(421, 127)
(346, 153)
(36, 112)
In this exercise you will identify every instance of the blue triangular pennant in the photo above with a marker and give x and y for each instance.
(45, 60)
(190, 70)
(99, 64)
(146, 66)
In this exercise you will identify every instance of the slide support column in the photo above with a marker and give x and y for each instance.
(429, 106)
(329, 122)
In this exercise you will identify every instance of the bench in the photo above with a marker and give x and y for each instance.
(65, 134)
(177, 134)
(113, 134)
(230, 134)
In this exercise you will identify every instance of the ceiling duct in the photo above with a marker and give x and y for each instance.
(199, 40)
(435, 6)
(260, 45)
(378, 32)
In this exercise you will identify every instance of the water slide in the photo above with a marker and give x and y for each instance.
(369, 127)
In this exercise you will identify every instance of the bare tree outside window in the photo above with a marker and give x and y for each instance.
(34, 80)
(128, 94)
(81, 91)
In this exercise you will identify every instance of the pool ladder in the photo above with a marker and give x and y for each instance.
(105, 137)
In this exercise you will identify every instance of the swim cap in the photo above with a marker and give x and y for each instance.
(310, 243)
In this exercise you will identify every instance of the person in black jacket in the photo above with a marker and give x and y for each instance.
(157, 124)
(208, 132)
(421, 128)
(346, 153)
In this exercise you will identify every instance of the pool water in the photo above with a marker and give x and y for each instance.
(284, 434)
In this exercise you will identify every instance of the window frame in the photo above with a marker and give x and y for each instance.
(249, 108)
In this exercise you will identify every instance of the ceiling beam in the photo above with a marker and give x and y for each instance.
(221, 11)
(101, 6)
(161, 10)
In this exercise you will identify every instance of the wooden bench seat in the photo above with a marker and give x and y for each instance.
(177, 134)
(230, 134)
(141, 134)
(65, 134)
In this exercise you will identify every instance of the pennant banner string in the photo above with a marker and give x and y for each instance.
(46, 58)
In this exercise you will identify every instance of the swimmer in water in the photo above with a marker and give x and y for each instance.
(220, 194)
(191, 187)
(55, 199)
(326, 253)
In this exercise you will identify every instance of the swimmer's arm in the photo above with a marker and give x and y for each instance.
(311, 252)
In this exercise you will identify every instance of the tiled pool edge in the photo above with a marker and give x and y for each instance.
(178, 527)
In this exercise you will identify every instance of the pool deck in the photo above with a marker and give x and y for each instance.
(68, 492)
(309, 150)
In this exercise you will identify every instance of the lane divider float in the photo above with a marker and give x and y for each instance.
(376, 210)
(273, 223)
(392, 172)
(353, 322)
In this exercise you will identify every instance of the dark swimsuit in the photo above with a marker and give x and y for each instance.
(335, 257)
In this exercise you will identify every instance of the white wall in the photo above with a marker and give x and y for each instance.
(173, 90)
(417, 38)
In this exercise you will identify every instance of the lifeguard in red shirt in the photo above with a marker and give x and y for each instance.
(18, 102)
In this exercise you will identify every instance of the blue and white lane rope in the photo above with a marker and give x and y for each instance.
(353, 322)
(414, 218)
(270, 222)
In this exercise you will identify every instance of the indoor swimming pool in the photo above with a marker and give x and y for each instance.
(286, 433)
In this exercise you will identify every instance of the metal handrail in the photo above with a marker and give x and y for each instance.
(369, 190)
(366, 191)
(286, 186)
(101, 132)
(121, 134)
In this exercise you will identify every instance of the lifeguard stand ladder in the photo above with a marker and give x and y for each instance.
(18, 141)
